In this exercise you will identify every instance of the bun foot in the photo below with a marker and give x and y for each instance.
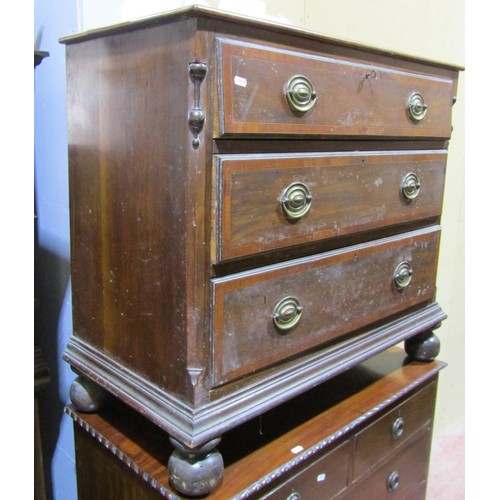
(423, 347)
(86, 395)
(195, 471)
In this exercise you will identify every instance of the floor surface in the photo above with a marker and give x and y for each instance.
(447, 466)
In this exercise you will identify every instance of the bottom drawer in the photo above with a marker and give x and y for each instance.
(393, 429)
(270, 314)
(324, 479)
(400, 475)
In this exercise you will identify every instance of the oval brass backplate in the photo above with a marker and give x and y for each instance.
(402, 275)
(300, 94)
(296, 200)
(410, 186)
(287, 313)
(417, 108)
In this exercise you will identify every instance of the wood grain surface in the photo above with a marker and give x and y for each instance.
(354, 99)
(351, 192)
(339, 292)
(178, 252)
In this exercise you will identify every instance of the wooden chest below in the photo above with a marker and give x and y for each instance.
(254, 210)
(364, 434)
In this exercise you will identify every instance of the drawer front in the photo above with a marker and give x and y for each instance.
(392, 430)
(272, 202)
(266, 90)
(261, 317)
(399, 475)
(419, 493)
(323, 479)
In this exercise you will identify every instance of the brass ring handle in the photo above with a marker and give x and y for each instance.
(417, 108)
(296, 200)
(410, 186)
(300, 94)
(393, 481)
(402, 275)
(287, 313)
(398, 428)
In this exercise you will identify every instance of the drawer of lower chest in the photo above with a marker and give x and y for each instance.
(323, 479)
(268, 90)
(393, 429)
(271, 202)
(400, 475)
(263, 316)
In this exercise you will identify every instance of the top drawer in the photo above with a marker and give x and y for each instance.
(266, 90)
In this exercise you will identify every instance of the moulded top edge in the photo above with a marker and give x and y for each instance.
(202, 11)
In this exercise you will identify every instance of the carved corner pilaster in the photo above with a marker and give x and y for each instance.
(194, 374)
(196, 117)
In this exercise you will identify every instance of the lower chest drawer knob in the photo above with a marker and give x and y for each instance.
(393, 481)
(398, 427)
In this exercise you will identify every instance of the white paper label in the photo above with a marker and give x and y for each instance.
(239, 80)
(297, 449)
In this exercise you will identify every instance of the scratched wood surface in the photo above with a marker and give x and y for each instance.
(353, 99)
(339, 292)
(151, 256)
(350, 193)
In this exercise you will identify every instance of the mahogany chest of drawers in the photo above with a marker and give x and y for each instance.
(364, 434)
(254, 209)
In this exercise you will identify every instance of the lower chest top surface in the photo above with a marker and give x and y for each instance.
(266, 452)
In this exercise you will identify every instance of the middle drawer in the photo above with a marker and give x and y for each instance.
(268, 202)
(263, 316)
